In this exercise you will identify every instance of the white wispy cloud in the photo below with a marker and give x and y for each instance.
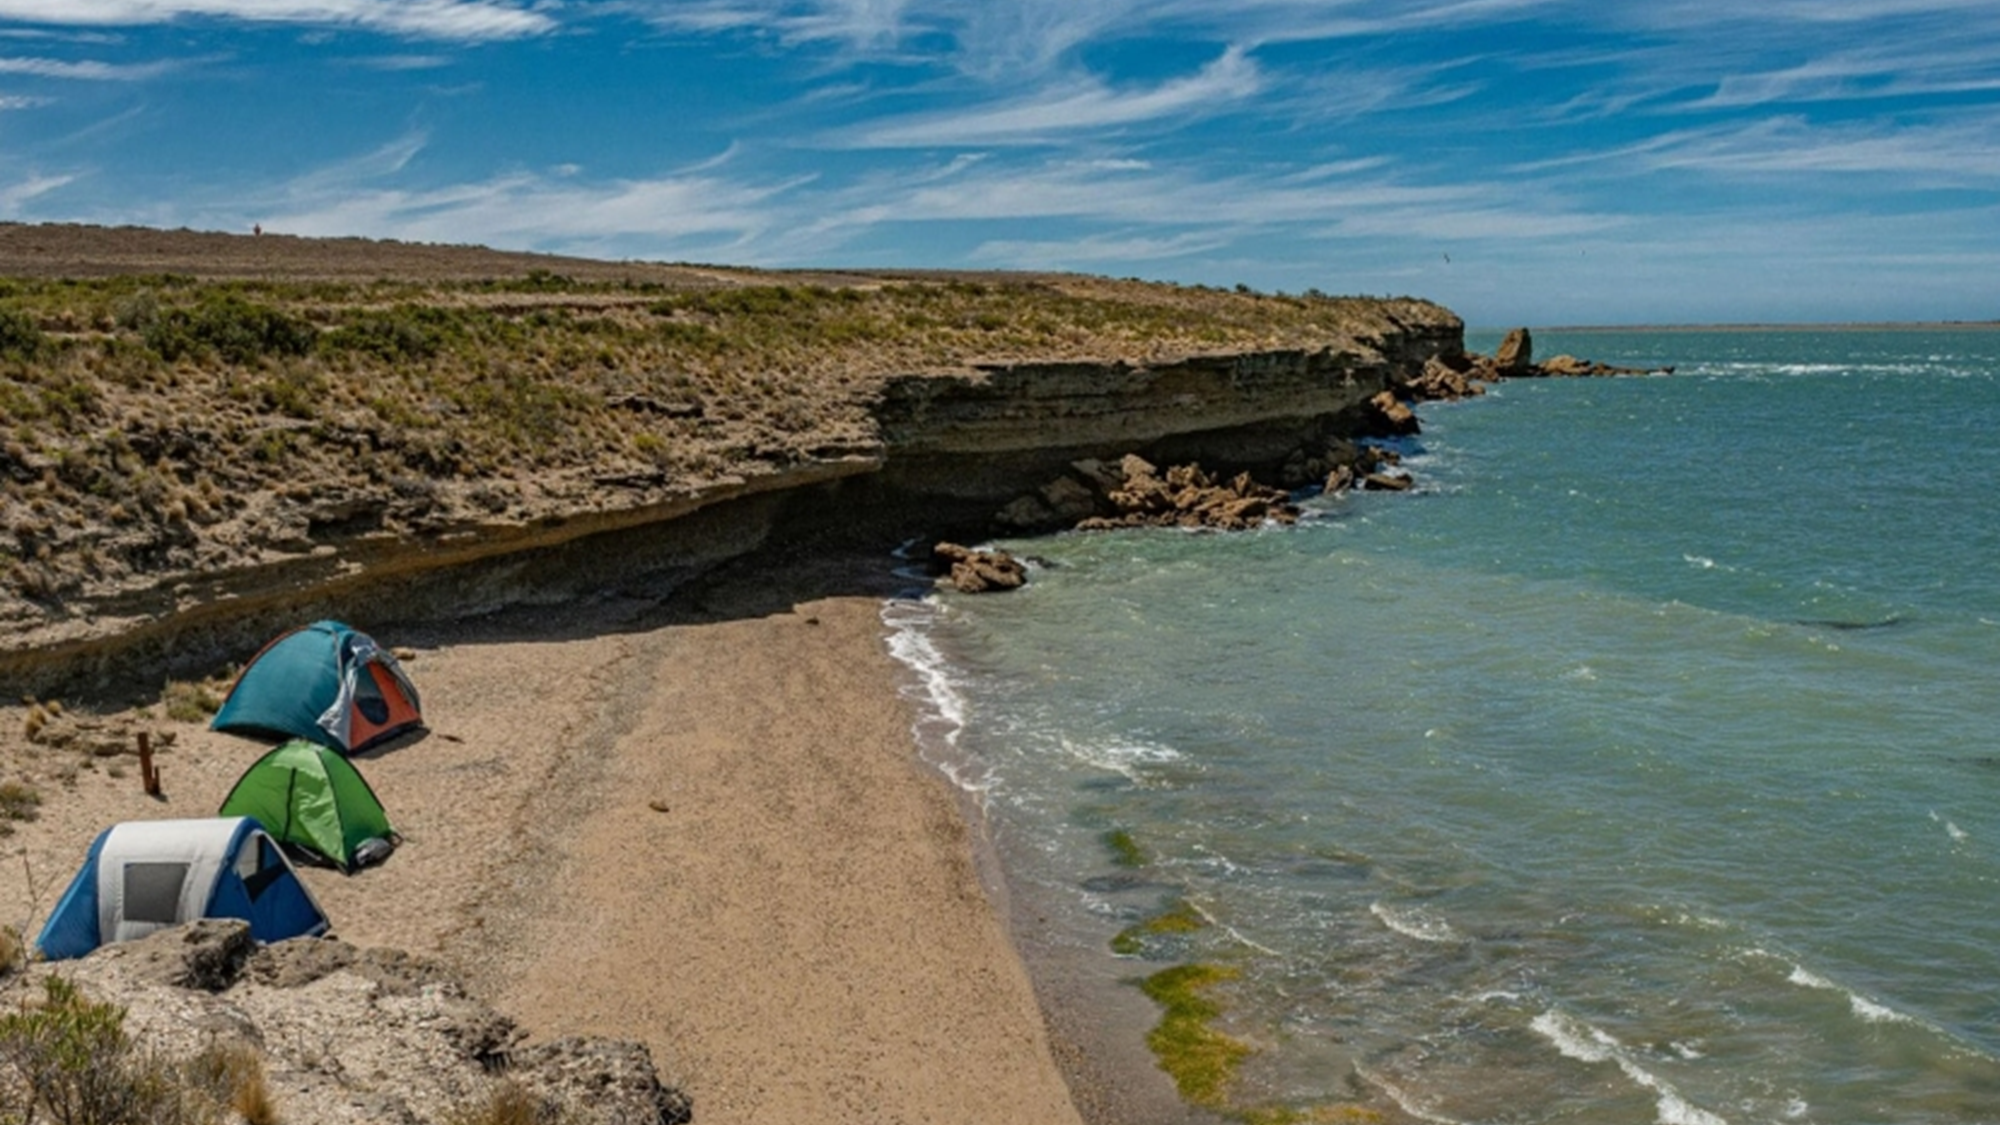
(557, 210)
(1951, 154)
(86, 70)
(13, 195)
(358, 171)
(622, 218)
(442, 19)
(1096, 250)
(1082, 104)
(50, 35)
(860, 23)
(1360, 199)
(402, 62)
(1885, 71)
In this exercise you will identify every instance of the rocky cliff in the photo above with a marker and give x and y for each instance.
(192, 464)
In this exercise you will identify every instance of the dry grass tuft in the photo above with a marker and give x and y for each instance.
(232, 1075)
(191, 701)
(506, 1103)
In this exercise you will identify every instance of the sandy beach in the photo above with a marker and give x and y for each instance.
(695, 822)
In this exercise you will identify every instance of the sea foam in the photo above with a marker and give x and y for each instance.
(1575, 1039)
(1862, 1007)
(1414, 923)
(940, 706)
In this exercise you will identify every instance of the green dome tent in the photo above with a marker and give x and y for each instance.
(312, 798)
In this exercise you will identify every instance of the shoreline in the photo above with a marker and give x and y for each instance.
(812, 929)
(1095, 1016)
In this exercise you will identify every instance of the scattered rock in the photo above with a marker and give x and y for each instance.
(1569, 365)
(1096, 496)
(90, 736)
(979, 572)
(1446, 379)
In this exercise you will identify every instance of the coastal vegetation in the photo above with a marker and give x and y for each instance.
(1201, 1060)
(1125, 851)
(1181, 918)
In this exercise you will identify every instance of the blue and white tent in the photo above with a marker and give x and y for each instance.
(146, 875)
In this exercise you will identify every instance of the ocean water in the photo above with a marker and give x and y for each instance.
(1642, 766)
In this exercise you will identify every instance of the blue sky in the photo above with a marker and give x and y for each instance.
(1522, 161)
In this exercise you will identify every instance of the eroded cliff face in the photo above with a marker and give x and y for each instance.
(919, 452)
(988, 435)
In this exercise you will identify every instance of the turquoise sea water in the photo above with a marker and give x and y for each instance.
(1645, 765)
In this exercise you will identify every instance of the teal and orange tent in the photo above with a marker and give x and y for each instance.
(324, 682)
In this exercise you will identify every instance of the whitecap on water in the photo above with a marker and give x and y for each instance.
(1128, 759)
(1958, 835)
(1862, 1007)
(1403, 1099)
(1414, 923)
(1575, 1039)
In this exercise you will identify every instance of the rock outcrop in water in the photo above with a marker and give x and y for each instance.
(979, 572)
(1450, 376)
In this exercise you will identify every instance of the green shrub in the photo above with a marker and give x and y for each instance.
(231, 328)
(404, 334)
(20, 337)
(294, 392)
(70, 1061)
(70, 1058)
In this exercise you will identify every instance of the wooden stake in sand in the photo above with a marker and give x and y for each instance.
(149, 775)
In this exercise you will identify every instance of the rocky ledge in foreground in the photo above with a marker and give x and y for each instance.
(309, 1030)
